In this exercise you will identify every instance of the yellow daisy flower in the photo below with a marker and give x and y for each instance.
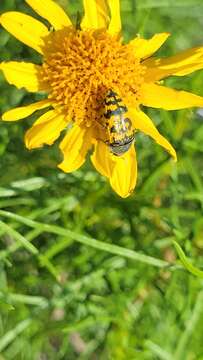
(96, 85)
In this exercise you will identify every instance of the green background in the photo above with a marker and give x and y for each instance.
(80, 287)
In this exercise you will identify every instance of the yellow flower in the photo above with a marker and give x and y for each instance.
(81, 69)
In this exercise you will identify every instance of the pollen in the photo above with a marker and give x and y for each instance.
(81, 66)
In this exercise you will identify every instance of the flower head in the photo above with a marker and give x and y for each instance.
(95, 85)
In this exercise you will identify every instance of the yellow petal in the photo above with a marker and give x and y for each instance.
(25, 28)
(181, 64)
(188, 69)
(25, 111)
(145, 48)
(52, 12)
(102, 159)
(45, 130)
(158, 96)
(124, 175)
(23, 75)
(96, 14)
(74, 147)
(121, 170)
(143, 123)
(115, 23)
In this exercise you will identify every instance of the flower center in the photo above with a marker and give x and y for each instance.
(81, 66)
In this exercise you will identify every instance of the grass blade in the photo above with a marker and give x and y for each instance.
(167, 3)
(158, 351)
(186, 263)
(21, 239)
(30, 247)
(113, 249)
(12, 334)
(182, 348)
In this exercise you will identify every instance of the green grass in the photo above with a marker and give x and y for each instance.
(85, 274)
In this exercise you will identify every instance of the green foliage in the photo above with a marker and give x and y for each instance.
(83, 273)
